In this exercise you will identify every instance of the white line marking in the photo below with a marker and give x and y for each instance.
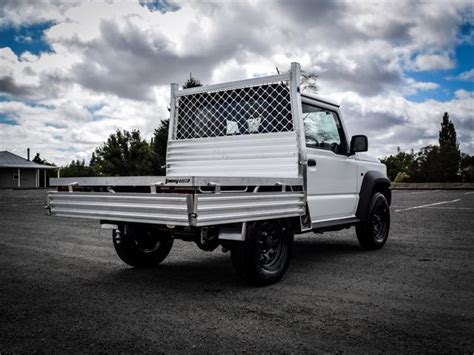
(424, 192)
(469, 193)
(428, 205)
(451, 208)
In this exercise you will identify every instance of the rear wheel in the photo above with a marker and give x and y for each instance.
(141, 246)
(264, 256)
(373, 232)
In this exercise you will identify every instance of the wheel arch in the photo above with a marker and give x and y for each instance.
(374, 181)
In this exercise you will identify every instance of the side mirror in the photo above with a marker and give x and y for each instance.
(359, 143)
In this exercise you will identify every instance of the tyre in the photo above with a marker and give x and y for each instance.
(373, 232)
(264, 256)
(141, 246)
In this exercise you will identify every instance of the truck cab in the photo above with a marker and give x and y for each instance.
(249, 165)
(336, 166)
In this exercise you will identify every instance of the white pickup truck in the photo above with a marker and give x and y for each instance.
(249, 165)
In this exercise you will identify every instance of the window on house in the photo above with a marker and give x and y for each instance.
(15, 175)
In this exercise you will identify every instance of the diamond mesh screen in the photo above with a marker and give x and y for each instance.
(250, 110)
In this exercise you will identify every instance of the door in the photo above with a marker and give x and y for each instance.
(331, 172)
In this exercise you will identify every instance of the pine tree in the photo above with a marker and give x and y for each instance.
(192, 82)
(447, 134)
(449, 154)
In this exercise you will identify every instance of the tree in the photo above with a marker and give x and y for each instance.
(37, 159)
(192, 82)
(400, 163)
(77, 168)
(467, 167)
(426, 166)
(449, 154)
(402, 177)
(159, 144)
(309, 82)
(124, 154)
(447, 134)
(432, 163)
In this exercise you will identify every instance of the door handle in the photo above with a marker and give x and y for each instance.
(311, 162)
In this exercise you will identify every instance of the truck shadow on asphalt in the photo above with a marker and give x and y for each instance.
(215, 273)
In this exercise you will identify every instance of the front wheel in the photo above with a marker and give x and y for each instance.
(373, 232)
(264, 256)
(141, 246)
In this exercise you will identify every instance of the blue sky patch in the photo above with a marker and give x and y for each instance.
(94, 111)
(448, 80)
(5, 119)
(25, 38)
(5, 98)
(159, 5)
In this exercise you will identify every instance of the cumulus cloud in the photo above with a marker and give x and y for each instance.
(412, 87)
(467, 75)
(462, 94)
(433, 62)
(393, 121)
(20, 12)
(425, 85)
(7, 55)
(111, 64)
(10, 87)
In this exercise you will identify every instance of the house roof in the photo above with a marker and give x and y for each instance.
(10, 160)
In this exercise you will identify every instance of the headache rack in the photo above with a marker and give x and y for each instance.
(234, 155)
(244, 128)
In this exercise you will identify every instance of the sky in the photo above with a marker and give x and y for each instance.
(71, 73)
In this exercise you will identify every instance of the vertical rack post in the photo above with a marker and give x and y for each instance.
(172, 124)
(297, 114)
(172, 128)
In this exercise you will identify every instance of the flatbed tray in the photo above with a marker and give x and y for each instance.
(185, 181)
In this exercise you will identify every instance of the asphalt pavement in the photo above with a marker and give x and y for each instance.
(63, 289)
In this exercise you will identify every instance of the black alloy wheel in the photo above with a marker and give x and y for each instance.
(373, 232)
(264, 256)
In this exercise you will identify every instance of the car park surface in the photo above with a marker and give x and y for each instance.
(63, 288)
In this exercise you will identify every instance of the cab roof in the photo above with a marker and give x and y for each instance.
(318, 98)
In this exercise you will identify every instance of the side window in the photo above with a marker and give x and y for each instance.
(15, 175)
(323, 129)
